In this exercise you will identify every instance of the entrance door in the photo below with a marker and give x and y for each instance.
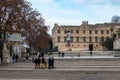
(90, 47)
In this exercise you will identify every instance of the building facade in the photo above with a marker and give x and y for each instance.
(82, 37)
(117, 39)
(14, 41)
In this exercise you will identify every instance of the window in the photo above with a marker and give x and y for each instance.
(96, 32)
(58, 31)
(65, 39)
(71, 39)
(84, 39)
(90, 31)
(90, 39)
(65, 31)
(77, 39)
(58, 39)
(107, 31)
(84, 31)
(102, 32)
(77, 31)
(102, 39)
(71, 31)
(96, 39)
(111, 29)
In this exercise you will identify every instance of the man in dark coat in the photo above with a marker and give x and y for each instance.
(38, 62)
(16, 57)
(49, 63)
(1, 56)
(13, 57)
(52, 62)
(59, 53)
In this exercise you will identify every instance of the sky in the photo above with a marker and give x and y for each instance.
(73, 12)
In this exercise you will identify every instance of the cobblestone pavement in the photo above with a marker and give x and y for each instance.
(79, 69)
(58, 75)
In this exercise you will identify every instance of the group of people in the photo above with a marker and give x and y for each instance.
(41, 62)
(15, 58)
(50, 62)
(61, 54)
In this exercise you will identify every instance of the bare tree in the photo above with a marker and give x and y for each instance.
(17, 15)
(37, 36)
(12, 17)
(115, 19)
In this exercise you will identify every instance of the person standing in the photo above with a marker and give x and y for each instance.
(36, 62)
(90, 52)
(16, 57)
(63, 54)
(59, 53)
(52, 62)
(49, 63)
(43, 63)
(13, 58)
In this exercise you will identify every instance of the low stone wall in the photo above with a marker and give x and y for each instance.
(87, 53)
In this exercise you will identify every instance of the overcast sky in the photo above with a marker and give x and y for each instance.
(73, 12)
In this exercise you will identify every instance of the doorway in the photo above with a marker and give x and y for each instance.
(90, 47)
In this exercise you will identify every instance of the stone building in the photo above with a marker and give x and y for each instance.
(82, 37)
(117, 38)
(12, 44)
(14, 41)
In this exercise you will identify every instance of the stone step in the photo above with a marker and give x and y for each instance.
(60, 69)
